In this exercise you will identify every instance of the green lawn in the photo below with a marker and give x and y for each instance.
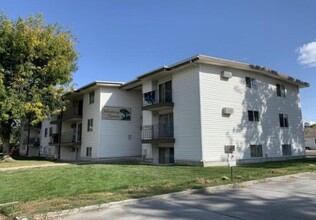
(55, 188)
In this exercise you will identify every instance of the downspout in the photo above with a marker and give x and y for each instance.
(28, 137)
(59, 136)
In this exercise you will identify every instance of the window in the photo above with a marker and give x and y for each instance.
(50, 131)
(280, 90)
(284, 122)
(88, 151)
(251, 83)
(286, 150)
(90, 124)
(91, 97)
(253, 115)
(45, 132)
(315, 141)
(256, 150)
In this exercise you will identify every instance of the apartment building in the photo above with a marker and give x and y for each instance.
(102, 121)
(310, 138)
(193, 112)
(198, 110)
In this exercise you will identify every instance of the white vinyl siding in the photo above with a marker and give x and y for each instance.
(219, 130)
(91, 139)
(120, 138)
(186, 113)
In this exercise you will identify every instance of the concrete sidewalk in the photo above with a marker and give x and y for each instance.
(288, 197)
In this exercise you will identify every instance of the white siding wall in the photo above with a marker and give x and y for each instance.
(310, 142)
(219, 130)
(91, 138)
(47, 150)
(66, 153)
(114, 134)
(186, 113)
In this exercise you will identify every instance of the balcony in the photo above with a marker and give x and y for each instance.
(32, 142)
(74, 111)
(27, 126)
(67, 138)
(160, 133)
(157, 100)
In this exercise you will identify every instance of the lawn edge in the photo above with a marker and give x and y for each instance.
(110, 205)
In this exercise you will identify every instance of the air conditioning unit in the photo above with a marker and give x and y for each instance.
(228, 111)
(229, 149)
(227, 74)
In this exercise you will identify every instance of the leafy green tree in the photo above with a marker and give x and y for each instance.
(36, 65)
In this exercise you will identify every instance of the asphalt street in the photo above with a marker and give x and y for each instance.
(290, 197)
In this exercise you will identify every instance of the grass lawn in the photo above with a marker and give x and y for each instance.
(56, 188)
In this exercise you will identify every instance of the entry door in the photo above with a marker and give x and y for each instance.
(166, 125)
(79, 132)
(166, 155)
(77, 153)
(165, 92)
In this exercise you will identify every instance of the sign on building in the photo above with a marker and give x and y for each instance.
(116, 113)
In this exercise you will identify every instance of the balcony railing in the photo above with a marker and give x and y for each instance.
(27, 126)
(31, 141)
(159, 131)
(66, 137)
(157, 97)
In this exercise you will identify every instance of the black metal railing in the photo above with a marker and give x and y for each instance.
(27, 126)
(32, 141)
(66, 137)
(54, 139)
(159, 131)
(157, 96)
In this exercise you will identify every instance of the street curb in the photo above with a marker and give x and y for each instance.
(60, 214)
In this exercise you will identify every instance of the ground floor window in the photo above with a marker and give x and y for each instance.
(256, 150)
(89, 151)
(286, 149)
(166, 155)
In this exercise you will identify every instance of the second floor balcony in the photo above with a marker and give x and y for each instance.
(33, 141)
(159, 133)
(66, 138)
(157, 100)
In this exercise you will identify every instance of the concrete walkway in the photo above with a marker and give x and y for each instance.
(289, 197)
(34, 166)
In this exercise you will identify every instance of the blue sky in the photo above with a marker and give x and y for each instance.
(119, 40)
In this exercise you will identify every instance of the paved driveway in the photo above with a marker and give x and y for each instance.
(291, 197)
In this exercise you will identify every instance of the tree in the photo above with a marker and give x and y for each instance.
(36, 65)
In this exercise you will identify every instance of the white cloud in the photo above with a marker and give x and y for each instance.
(307, 54)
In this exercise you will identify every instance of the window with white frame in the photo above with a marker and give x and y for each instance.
(256, 150)
(91, 97)
(253, 115)
(284, 121)
(251, 83)
(90, 125)
(88, 151)
(286, 150)
(280, 90)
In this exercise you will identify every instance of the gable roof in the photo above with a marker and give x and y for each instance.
(218, 62)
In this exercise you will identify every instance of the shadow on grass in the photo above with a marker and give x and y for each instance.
(281, 164)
